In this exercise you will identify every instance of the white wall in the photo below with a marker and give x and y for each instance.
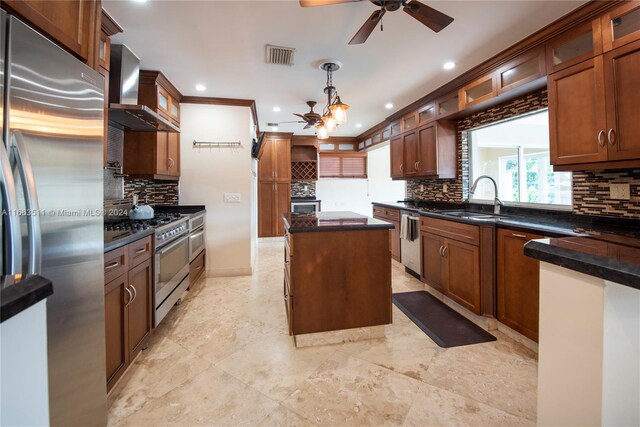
(208, 173)
(357, 194)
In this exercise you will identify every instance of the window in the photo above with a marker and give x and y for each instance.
(515, 153)
(342, 166)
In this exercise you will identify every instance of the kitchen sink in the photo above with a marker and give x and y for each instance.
(479, 216)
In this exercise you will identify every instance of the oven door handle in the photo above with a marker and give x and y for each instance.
(196, 234)
(172, 245)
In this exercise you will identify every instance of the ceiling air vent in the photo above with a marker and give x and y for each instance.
(280, 55)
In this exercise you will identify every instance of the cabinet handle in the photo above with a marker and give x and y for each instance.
(198, 268)
(601, 141)
(418, 163)
(611, 136)
(112, 265)
(440, 250)
(130, 297)
(401, 165)
(171, 162)
(139, 251)
(521, 236)
(415, 165)
(444, 251)
(135, 293)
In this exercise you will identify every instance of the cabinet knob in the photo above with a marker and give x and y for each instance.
(611, 136)
(601, 141)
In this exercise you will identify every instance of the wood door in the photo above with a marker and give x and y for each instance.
(162, 153)
(410, 142)
(282, 159)
(266, 171)
(140, 309)
(395, 240)
(518, 283)
(116, 334)
(433, 273)
(397, 157)
(282, 205)
(462, 271)
(173, 153)
(622, 80)
(577, 114)
(621, 25)
(266, 203)
(73, 24)
(428, 151)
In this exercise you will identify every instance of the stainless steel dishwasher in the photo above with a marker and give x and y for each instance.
(410, 243)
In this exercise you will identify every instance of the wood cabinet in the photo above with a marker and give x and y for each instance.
(518, 283)
(451, 260)
(274, 184)
(73, 24)
(574, 46)
(128, 294)
(478, 91)
(621, 25)
(152, 155)
(593, 112)
(197, 267)
(158, 93)
(428, 151)
(392, 216)
(525, 69)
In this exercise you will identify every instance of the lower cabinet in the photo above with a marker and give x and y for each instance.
(196, 268)
(518, 283)
(128, 306)
(451, 261)
(393, 216)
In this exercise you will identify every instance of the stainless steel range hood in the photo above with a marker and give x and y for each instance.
(124, 110)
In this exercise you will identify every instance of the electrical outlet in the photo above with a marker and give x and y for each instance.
(620, 191)
(445, 187)
(421, 187)
(232, 197)
(306, 188)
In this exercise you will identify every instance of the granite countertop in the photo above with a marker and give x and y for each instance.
(611, 261)
(18, 293)
(118, 238)
(181, 209)
(331, 221)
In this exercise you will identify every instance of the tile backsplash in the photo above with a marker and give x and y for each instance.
(590, 188)
(303, 189)
(120, 190)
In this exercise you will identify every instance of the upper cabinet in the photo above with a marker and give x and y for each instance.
(478, 91)
(156, 92)
(152, 155)
(526, 68)
(594, 104)
(574, 46)
(447, 105)
(74, 24)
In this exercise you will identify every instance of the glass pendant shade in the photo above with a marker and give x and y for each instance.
(339, 111)
(329, 122)
(322, 132)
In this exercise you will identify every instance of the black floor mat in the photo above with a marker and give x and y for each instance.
(443, 324)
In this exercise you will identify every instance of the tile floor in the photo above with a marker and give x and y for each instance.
(223, 357)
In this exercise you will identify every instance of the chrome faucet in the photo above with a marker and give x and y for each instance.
(496, 202)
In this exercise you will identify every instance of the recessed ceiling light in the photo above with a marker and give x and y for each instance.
(199, 87)
(276, 109)
(358, 125)
(274, 128)
(140, 1)
(449, 65)
(388, 105)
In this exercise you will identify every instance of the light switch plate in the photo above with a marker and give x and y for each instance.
(620, 191)
(232, 197)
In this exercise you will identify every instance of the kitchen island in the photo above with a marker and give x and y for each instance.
(337, 276)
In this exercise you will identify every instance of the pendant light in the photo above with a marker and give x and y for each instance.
(335, 112)
(339, 111)
(321, 131)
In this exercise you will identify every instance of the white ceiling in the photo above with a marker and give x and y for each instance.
(221, 44)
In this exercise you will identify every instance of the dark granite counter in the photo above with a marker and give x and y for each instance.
(181, 209)
(331, 221)
(117, 238)
(417, 206)
(611, 261)
(18, 293)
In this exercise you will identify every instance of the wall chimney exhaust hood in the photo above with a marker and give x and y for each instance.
(124, 111)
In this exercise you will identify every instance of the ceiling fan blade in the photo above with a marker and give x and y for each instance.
(301, 116)
(427, 15)
(365, 31)
(293, 121)
(307, 126)
(311, 3)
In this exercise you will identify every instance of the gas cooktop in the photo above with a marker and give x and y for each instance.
(133, 225)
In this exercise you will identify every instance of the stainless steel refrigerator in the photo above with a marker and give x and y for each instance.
(51, 169)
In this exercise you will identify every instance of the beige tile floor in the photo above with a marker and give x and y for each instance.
(223, 357)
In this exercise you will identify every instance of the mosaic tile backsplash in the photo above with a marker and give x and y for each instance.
(303, 189)
(590, 188)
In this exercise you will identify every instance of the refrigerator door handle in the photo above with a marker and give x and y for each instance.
(10, 202)
(34, 265)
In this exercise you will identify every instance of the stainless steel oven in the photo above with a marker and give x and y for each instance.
(196, 236)
(305, 206)
(171, 265)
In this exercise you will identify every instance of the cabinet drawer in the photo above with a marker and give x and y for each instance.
(392, 214)
(453, 230)
(377, 211)
(116, 263)
(140, 250)
(196, 268)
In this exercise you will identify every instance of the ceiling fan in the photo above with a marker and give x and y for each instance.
(426, 15)
(311, 118)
